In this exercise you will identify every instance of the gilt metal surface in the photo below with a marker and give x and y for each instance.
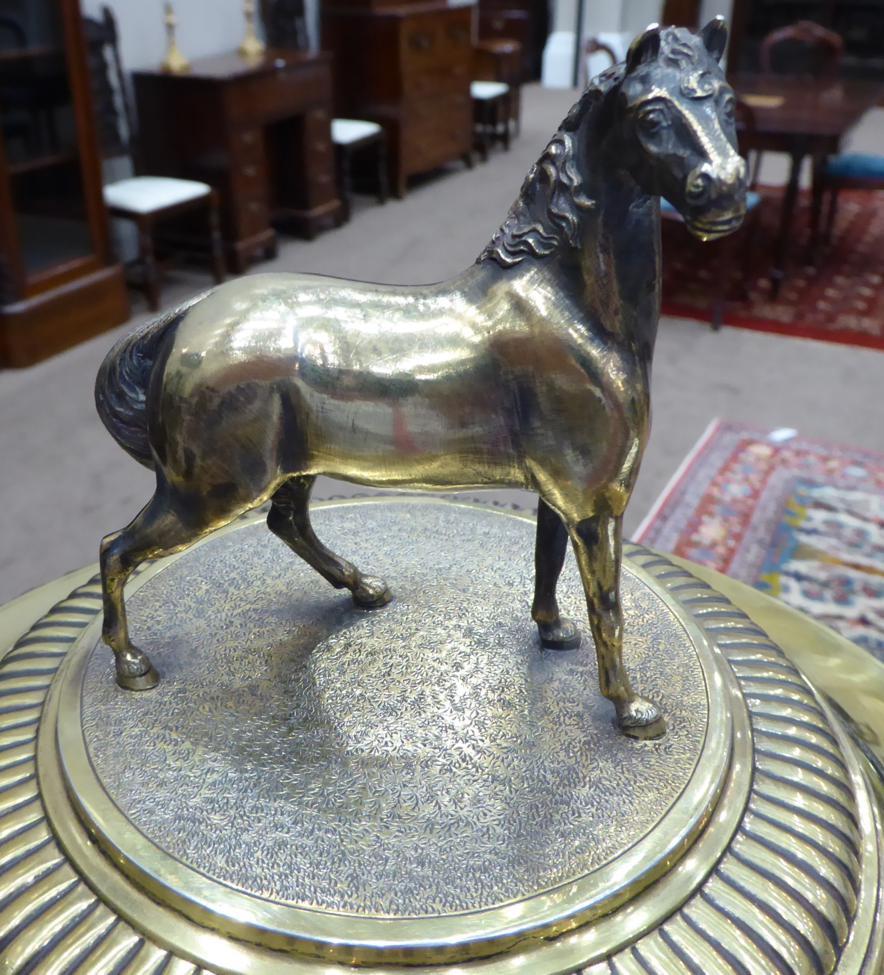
(784, 878)
(423, 761)
(529, 369)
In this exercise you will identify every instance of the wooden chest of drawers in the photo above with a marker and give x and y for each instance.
(259, 132)
(406, 66)
(525, 21)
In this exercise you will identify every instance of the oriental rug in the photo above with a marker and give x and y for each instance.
(798, 519)
(839, 300)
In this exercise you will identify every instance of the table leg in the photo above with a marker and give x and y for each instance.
(786, 213)
(816, 207)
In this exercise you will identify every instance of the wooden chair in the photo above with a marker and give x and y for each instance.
(500, 59)
(850, 170)
(613, 45)
(144, 200)
(736, 250)
(353, 136)
(491, 114)
(806, 49)
(802, 49)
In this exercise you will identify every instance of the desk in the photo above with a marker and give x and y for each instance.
(259, 132)
(801, 117)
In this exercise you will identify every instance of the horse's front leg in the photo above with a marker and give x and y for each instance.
(597, 544)
(556, 632)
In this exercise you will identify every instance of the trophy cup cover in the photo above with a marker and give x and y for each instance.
(449, 779)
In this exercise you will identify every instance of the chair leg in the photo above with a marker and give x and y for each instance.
(149, 261)
(830, 217)
(748, 255)
(484, 140)
(502, 120)
(383, 182)
(219, 268)
(342, 161)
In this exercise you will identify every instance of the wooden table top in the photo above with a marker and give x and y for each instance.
(803, 107)
(223, 67)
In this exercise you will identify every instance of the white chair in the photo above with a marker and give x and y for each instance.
(144, 200)
(351, 136)
(491, 114)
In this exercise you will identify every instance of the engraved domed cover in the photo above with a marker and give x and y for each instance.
(313, 784)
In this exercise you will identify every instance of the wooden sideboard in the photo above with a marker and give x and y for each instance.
(406, 66)
(259, 132)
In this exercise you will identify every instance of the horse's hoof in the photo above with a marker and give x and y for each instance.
(135, 672)
(371, 593)
(641, 719)
(143, 682)
(561, 635)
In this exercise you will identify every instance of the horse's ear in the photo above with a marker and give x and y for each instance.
(714, 36)
(644, 48)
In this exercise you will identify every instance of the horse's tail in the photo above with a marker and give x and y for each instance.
(123, 381)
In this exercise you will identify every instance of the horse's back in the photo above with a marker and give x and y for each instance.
(302, 373)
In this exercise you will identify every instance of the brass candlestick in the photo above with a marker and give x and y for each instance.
(252, 47)
(175, 62)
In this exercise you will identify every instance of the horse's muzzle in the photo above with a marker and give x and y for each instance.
(718, 223)
(715, 195)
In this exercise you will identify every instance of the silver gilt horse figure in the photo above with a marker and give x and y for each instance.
(529, 369)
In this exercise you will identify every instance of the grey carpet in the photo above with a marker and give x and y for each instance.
(65, 483)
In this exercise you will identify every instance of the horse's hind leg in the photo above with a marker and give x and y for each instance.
(289, 519)
(156, 530)
(556, 632)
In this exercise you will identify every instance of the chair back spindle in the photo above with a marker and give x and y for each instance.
(109, 87)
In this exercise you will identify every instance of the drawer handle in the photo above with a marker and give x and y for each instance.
(249, 138)
(250, 171)
(255, 207)
(420, 42)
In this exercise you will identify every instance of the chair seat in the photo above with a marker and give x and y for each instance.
(346, 131)
(150, 194)
(486, 90)
(668, 211)
(858, 166)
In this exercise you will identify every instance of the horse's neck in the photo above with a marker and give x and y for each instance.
(619, 260)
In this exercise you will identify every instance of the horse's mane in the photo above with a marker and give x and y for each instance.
(546, 212)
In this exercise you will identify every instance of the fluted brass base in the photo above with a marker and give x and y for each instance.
(314, 785)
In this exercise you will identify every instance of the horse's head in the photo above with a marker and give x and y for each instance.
(678, 135)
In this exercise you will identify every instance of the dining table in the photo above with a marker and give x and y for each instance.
(803, 118)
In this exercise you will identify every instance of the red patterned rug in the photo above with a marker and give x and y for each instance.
(841, 300)
(796, 518)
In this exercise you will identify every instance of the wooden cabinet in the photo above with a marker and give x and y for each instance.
(260, 133)
(58, 283)
(407, 67)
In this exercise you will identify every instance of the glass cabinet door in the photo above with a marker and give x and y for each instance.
(40, 139)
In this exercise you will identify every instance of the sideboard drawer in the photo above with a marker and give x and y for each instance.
(281, 93)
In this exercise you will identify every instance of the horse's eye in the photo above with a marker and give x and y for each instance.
(729, 108)
(652, 120)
